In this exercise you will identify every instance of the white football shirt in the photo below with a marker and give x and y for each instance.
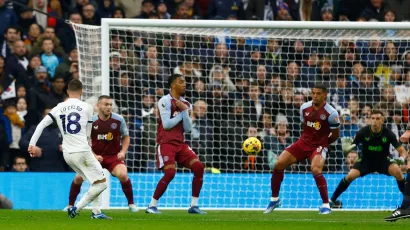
(73, 118)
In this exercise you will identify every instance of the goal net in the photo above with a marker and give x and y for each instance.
(248, 79)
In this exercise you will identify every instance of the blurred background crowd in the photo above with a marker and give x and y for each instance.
(240, 86)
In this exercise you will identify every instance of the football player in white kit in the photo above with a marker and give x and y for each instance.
(74, 119)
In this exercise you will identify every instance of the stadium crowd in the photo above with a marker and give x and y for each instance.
(239, 86)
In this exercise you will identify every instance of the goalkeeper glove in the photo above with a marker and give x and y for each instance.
(400, 160)
(347, 144)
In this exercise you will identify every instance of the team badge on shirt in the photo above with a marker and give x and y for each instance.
(323, 116)
(114, 125)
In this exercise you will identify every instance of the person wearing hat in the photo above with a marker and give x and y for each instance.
(39, 97)
(326, 13)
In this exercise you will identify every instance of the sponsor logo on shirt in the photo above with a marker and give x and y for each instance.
(106, 137)
(316, 125)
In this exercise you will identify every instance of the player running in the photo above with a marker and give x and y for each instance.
(74, 119)
(375, 140)
(108, 128)
(320, 128)
(403, 211)
(174, 120)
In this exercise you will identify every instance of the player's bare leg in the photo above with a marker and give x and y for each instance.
(343, 185)
(395, 171)
(120, 171)
(169, 174)
(285, 160)
(316, 167)
(197, 168)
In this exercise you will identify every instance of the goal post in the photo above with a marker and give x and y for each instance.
(260, 72)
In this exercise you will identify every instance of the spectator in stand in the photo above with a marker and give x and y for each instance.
(217, 103)
(193, 10)
(39, 97)
(277, 141)
(349, 127)
(354, 108)
(27, 19)
(350, 160)
(274, 55)
(7, 18)
(52, 7)
(49, 59)
(51, 158)
(200, 137)
(11, 34)
(28, 79)
(374, 10)
(119, 13)
(66, 33)
(17, 128)
(57, 88)
(282, 13)
(339, 96)
(131, 8)
(222, 9)
(368, 92)
(64, 67)
(400, 8)
(254, 104)
(182, 11)
(21, 91)
(21, 107)
(89, 15)
(220, 76)
(389, 16)
(327, 13)
(265, 125)
(4, 150)
(106, 9)
(16, 63)
(147, 6)
(162, 10)
(33, 33)
(20, 164)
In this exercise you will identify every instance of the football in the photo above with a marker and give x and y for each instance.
(252, 146)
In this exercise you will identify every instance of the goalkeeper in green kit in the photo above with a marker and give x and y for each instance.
(375, 140)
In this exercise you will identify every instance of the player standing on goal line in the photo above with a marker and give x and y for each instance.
(173, 121)
(376, 140)
(320, 128)
(403, 211)
(74, 119)
(108, 128)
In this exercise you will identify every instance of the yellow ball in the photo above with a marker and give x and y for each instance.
(252, 146)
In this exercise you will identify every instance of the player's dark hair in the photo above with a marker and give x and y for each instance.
(320, 86)
(375, 111)
(75, 85)
(172, 78)
(103, 97)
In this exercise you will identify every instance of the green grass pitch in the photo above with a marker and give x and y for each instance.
(215, 220)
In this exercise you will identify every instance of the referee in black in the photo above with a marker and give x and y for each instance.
(375, 155)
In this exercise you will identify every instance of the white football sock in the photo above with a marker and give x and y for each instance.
(93, 192)
(274, 198)
(194, 201)
(153, 203)
(96, 203)
(326, 205)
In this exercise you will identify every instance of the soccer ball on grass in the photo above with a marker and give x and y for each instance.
(252, 146)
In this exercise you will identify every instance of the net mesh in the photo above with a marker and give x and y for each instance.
(250, 82)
